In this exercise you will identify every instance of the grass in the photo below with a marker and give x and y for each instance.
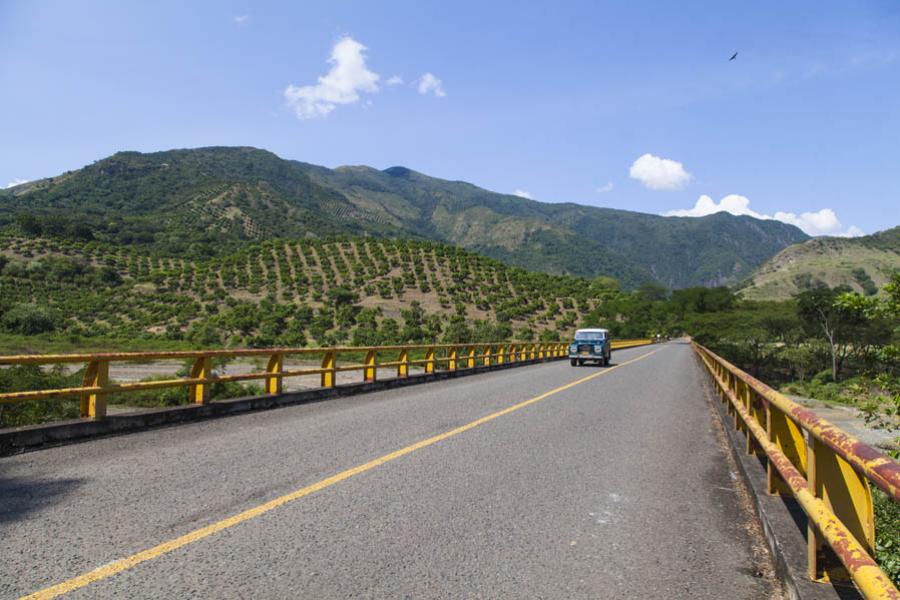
(878, 398)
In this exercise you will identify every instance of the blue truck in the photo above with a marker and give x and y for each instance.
(591, 345)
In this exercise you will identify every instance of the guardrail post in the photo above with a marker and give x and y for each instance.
(542, 351)
(370, 372)
(754, 407)
(199, 393)
(470, 360)
(328, 365)
(429, 360)
(486, 352)
(451, 358)
(93, 404)
(513, 353)
(532, 352)
(788, 437)
(274, 368)
(403, 367)
(500, 354)
(733, 386)
(848, 496)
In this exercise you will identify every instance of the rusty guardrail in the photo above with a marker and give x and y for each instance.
(96, 384)
(826, 470)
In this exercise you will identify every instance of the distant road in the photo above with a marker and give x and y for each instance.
(545, 481)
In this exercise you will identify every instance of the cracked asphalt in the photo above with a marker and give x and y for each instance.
(615, 487)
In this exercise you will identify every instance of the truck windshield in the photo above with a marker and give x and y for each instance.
(589, 337)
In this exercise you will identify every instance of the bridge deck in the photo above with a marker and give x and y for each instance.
(614, 487)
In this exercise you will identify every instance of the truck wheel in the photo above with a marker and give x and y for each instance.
(580, 362)
(573, 362)
(606, 361)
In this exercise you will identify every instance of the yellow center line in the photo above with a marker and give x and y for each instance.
(123, 564)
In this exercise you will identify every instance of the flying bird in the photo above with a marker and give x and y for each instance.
(733, 56)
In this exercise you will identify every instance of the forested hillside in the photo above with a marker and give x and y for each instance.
(209, 201)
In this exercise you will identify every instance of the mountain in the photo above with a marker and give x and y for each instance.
(208, 200)
(864, 263)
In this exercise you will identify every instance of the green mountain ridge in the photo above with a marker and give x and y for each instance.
(208, 200)
(864, 264)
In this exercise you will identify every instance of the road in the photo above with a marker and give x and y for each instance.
(509, 484)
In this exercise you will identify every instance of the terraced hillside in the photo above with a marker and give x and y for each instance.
(278, 292)
(865, 264)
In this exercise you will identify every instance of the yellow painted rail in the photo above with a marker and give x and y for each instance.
(826, 470)
(96, 385)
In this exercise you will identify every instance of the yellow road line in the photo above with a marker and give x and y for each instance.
(123, 564)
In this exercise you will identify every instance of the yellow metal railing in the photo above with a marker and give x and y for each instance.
(620, 344)
(826, 470)
(97, 386)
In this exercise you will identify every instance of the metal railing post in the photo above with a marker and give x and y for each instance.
(274, 368)
(429, 360)
(403, 367)
(93, 404)
(329, 363)
(848, 496)
(370, 372)
(199, 393)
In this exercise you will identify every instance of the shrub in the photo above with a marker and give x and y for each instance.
(30, 319)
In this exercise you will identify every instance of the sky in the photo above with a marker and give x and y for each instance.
(631, 105)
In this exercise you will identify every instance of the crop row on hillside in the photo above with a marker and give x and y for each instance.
(293, 292)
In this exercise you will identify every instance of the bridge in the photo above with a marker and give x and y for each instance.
(529, 478)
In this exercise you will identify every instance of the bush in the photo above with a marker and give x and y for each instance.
(887, 534)
(31, 377)
(30, 319)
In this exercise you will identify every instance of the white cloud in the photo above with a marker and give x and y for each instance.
(343, 84)
(14, 183)
(605, 188)
(522, 194)
(241, 19)
(659, 173)
(821, 222)
(395, 80)
(428, 83)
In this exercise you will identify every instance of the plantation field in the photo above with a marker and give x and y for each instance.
(65, 295)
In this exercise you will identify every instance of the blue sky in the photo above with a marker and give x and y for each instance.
(630, 105)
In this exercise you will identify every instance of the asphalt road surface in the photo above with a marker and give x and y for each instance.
(505, 486)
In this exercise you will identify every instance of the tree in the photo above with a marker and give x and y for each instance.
(30, 319)
(651, 292)
(342, 295)
(821, 314)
